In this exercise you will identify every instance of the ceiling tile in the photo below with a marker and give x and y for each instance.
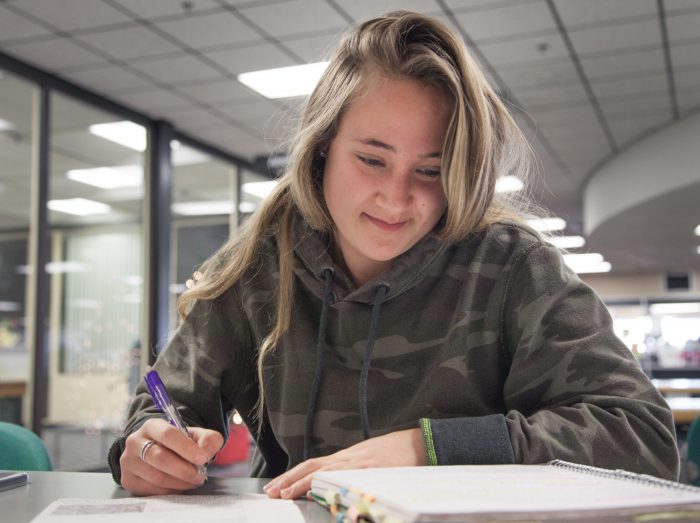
(511, 21)
(683, 26)
(629, 87)
(561, 116)
(633, 107)
(553, 96)
(685, 54)
(130, 42)
(613, 38)
(109, 79)
(675, 5)
(627, 130)
(150, 10)
(614, 64)
(518, 52)
(218, 91)
(293, 17)
(575, 12)
(194, 119)
(539, 75)
(689, 102)
(14, 26)
(54, 55)
(253, 58)
(154, 102)
(688, 79)
(69, 15)
(314, 48)
(177, 69)
(210, 30)
(364, 9)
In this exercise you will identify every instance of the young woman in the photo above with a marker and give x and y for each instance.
(386, 307)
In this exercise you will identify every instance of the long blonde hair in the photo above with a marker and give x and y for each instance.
(482, 143)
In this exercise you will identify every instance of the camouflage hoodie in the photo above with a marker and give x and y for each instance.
(493, 346)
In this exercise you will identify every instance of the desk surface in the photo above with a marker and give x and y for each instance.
(20, 505)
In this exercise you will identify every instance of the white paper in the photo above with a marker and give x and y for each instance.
(253, 508)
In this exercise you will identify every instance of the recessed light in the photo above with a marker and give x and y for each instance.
(126, 133)
(284, 82)
(567, 242)
(547, 224)
(109, 177)
(78, 206)
(587, 263)
(203, 208)
(697, 230)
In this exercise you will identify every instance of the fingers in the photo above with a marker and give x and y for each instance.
(295, 482)
(169, 464)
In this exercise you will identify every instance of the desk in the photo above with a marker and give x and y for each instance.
(20, 505)
(678, 386)
(685, 409)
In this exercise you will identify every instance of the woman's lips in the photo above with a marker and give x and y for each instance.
(385, 226)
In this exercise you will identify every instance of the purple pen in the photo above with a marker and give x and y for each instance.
(160, 396)
(162, 400)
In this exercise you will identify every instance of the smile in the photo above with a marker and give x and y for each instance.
(385, 226)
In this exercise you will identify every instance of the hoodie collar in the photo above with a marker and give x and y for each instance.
(313, 256)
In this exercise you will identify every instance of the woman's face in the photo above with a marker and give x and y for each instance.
(382, 181)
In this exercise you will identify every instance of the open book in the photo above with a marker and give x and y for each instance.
(556, 491)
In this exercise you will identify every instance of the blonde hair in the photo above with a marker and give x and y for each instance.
(482, 143)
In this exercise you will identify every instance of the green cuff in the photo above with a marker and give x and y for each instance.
(431, 458)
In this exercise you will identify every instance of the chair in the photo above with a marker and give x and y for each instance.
(692, 443)
(21, 449)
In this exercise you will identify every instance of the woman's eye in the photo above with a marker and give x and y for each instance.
(372, 162)
(430, 173)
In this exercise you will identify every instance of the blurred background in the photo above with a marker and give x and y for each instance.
(134, 141)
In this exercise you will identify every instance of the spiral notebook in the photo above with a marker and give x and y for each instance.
(556, 491)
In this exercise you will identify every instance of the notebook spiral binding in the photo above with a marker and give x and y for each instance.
(624, 474)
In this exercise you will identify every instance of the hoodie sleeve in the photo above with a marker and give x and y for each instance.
(207, 367)
(573, 390)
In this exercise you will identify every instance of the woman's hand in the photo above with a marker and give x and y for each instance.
(396, 449)
(170, 464)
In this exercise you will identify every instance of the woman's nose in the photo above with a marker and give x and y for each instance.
(396, 189)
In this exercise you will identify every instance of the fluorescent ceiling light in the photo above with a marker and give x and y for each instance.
(509, 183)
(6, 126)
(259, 189)
(674, 308)
(547, 224)
(566, 242)
(587, 263)
(109, 177)
(203, 208)
(78, 206)
(284, 82)
(126, 133)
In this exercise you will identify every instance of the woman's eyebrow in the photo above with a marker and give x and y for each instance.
(388, 147)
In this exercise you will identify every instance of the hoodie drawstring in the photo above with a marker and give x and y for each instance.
(320, 350)
(376, 307)
(382, 291)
